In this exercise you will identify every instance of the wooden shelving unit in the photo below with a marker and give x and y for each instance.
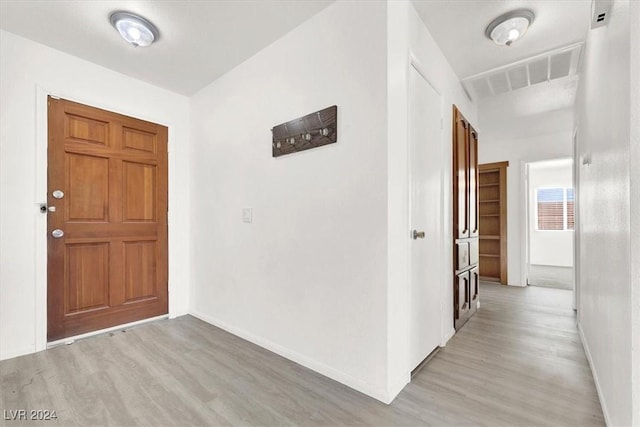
(493, 221)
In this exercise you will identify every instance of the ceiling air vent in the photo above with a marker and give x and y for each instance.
(552, 65)
(600, 11)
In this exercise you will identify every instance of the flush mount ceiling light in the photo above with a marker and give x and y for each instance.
(507, 28)
(134, 29)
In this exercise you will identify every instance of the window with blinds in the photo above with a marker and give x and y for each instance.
(555, 209)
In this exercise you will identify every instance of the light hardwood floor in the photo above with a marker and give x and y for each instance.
(517, 362)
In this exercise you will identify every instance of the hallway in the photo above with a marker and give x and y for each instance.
(519, 361)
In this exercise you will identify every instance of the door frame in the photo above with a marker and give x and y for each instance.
(576, 220)
(525, 207)
(40, 197)
(446, 324)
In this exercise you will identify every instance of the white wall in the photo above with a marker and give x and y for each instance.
(526, 145)
(409, 38)
(607, 206)
(634, 190)
(28, 72)
(549, 247)
(308, 278)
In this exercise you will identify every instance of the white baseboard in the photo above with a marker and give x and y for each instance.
(178, 314)
(364, 387)
(447, 337)
(587, 352)
(396, 386)
(17, 352)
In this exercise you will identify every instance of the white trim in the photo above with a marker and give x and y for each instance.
(585, 346)
(40, 196)
(415, 63)
(17, 353)
(523, 207)
(71, 340)
(575, 170)
(40, 240)
(448, 335)
(396, 386)
(342, 377)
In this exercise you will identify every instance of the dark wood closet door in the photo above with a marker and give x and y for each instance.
(465, 219)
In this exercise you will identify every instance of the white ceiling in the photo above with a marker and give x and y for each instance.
(202, 40)
(535, 110)
(458, 27)
(458, 24)
(199, 40)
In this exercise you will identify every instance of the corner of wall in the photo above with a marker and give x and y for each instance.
(634, 159)
(587, 352)
(605, 132)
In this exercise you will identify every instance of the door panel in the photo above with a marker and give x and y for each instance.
(463, 255)
(86, 129)
(473, 183)
(425, 151)
(87, 277)
(87, 184)
(139, 187)
(110, 266)
(140, 270)
(474, 257)
(474, 288)
(135, 139)
(463, 294)
(461, 178)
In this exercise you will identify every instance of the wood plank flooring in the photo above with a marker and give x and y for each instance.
(517, 362)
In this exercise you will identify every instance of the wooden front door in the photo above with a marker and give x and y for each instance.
(107, 219)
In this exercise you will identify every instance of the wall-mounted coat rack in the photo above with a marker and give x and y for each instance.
(310, 131)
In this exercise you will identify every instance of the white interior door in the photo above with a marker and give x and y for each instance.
(425, 153)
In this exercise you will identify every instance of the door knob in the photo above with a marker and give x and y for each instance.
(418, 234)
(57, 233)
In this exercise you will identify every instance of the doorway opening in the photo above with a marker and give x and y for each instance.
(550, 202)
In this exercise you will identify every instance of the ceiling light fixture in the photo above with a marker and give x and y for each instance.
(134, 29)
(507, 28)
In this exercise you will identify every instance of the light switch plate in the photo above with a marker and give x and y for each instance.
(247, 215)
